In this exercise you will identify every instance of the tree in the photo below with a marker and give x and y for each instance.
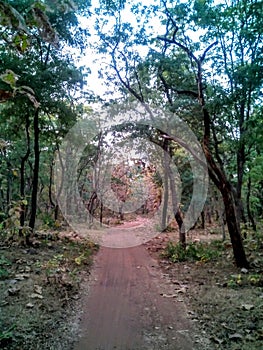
(38, 84)
(213, 82)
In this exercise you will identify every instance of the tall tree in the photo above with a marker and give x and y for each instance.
(39, 77)
(207, 67)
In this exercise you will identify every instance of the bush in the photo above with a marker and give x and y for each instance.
(193, 251)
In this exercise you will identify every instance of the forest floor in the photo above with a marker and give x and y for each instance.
(224, 302)
(39, 290)
(42, 290)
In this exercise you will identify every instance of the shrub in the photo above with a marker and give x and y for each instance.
(193, 251)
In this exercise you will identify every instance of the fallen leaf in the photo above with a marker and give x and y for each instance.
(168, 295)
(182, 290)
(236, 336)
(36, 296)
(37, 289)
(176, 282)
(244, 270)
(21, 276)
(13, 291)
(247, 307)
(217, 340)
(29, 305)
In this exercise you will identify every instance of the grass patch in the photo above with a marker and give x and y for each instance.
(196, 251)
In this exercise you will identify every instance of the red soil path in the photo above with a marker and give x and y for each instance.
(131, 305)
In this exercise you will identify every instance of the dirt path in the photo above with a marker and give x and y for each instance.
(131, 305)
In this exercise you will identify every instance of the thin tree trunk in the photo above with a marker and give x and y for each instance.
(50, 186)
(202, 219)
(165, 196)
(101, 213)
(56, 211)
(175, 204)
(222, 222)
(249, 214)
(22, 178)
(240, 172)
(176, 210)
(35, 174)
(9, 185)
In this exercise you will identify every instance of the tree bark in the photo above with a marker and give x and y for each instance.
(165, 197)
(219, 178)
(234, 227)
(249, 214)
(35, 175)
(203, 220)
(176, 206)
(240, 173)
(22, 177)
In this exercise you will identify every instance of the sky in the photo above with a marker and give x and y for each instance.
(94, 60)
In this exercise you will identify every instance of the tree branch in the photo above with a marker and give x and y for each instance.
(206, 50)
(183, 47)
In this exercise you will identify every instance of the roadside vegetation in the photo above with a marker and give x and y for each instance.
(39, 289)
(224, 302)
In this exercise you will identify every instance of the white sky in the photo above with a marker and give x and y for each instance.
(90, 56)
(95, 61)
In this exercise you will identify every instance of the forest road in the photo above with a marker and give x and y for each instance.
(131, 305)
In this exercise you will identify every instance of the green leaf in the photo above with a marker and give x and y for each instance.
(9, 77)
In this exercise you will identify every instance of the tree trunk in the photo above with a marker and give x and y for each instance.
(216, 172)
(52, 204)
(101, 213)
(219, 178)
(35, 174)
(238, 197)
(165, 196)
(176, 211)
(249, 214)
(56, 211)
(9, 185)
(175, 204)
(22, 178)
(202, 220)
(91, 206)
(233, 227)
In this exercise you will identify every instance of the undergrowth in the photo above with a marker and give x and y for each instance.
(197, 251)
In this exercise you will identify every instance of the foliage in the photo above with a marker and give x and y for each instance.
(75, 256)
(4, 273)
(198, 251)
(205, 65)
(38, 81)
(242, 280)
(156, 64)
(7, 335)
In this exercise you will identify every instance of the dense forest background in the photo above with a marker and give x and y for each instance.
(201, 60)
